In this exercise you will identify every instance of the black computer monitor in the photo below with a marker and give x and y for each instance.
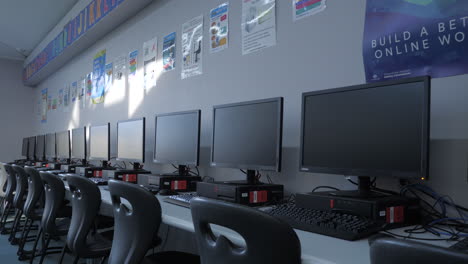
(40, 147)
(99, 143)
(51, 150)
(79, 144)
(24, 147)
(372, 130)
(31, 148)
(131, 141)
(248, 136)
(63, 145)
(177, 139)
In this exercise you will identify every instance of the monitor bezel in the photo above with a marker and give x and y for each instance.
(34, 148)
(108, 143)
(197, 151)
(24, 152)
(423, 172)
(69, 145)
(85, 144)
(55, 146)
(277, 167)
(144, 140)
(42, 155)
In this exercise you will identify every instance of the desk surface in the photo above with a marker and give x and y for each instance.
(315, 248)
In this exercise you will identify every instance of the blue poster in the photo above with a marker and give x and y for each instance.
(99, 86)
(406, 38)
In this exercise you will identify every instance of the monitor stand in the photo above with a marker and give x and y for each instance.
(364, 190)
(251, 179)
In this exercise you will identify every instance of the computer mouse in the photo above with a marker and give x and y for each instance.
(165, 192)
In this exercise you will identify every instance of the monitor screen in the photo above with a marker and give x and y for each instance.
(248, 135)
(370, 130)
(40, 147)
(131, 140)
(31, 147)
(99, 142)
(50, 146)
(79, 143)
(24, 147)
(63, 145)
(177, 138)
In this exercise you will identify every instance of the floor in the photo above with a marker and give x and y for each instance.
(8, 253)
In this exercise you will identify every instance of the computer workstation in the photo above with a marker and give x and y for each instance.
(78, 151)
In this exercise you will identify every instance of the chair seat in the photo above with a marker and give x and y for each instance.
(63, 225)
(168, 257)
(36, 214)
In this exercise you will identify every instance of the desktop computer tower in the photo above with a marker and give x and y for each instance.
(171, 182)
(252, 195)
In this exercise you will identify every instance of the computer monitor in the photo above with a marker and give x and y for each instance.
(131, 141)
(63, 145)
(24, 147)
(99, 143)
(248, 136)
(51, 152)
(40, 147)
(31, 148)
(79, 144)
(372, 130)
(177, 139)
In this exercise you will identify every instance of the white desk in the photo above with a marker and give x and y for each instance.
(317, 249)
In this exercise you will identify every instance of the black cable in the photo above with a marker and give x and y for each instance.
(417, 238)
(325, 187)
(243, 171)
(175, 166)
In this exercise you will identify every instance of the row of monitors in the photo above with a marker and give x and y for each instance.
(379, 129)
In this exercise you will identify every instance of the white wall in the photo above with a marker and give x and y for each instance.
(320, 52)
(16, 110)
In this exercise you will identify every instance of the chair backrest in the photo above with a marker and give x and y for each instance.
(268, 240)
(54, 191)
(21, 187)
(11, 183)
(392, 250)
(3, 180)
(85, 201)
(134, 227)
(35, 191)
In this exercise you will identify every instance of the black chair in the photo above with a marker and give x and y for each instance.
(18, 201)
(52, 223)
(8, 200)
(136, 228)
(392, 250)
(33, 207)
(82, 240)
(268, 240)
(3, 181)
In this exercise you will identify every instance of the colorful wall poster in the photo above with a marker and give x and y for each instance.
(44, 105)
(169, 52)
(219, 28)
(60, 98)
(108, 77)
(82, 92)
(258, 25)
(89, 84)
(74, 91)
(49, 102)
(66, 98)
(99, 64)
(305, 8)
(405, 38)
(120, 65)
(192, 47)
(150, 51)
(132, 64)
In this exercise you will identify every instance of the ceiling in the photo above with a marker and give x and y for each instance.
(24, 23)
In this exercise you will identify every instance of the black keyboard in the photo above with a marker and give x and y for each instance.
(461, 245)
(334, 224)
(99, 181)
(181, 199)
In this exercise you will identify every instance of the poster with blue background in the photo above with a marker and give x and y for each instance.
(406, 38)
